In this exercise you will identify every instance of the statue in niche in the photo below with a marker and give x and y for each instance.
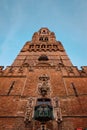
(44, 89)
(44, 86)
(28, 114)
(57, 109)
(59, 116)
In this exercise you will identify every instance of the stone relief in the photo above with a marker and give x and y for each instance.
(57, 110)
(29, 111)
(44, 85)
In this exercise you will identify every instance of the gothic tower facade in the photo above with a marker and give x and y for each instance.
(42, 89)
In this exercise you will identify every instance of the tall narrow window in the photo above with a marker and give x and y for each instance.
(46, 38)
(41, 39)
(74, 88)
(11, 87)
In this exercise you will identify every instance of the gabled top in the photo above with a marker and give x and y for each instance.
(44, 35)
(43, 40)
(44, 31)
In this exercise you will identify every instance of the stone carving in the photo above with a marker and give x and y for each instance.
(56, 104)
(29, 109)
(44, 77)
(44, 86)
(43, 89)
(58, 116)
(57, 109)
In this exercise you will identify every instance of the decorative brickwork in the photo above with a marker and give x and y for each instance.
(42, 90)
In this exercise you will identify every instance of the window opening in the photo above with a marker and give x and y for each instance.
(11, 87)
(74, 88)
(43, 46)
(43, 58)
(41, 39)
(49, 46)
(46, 38)
(43, 110)
(37, 46)
(44, 31)
(31, 46)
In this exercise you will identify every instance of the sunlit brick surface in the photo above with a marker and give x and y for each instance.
(19, 82)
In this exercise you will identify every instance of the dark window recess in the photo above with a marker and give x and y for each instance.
(74, 88)
(49, 46)
(11, 87)
(41, 39)
(43, 58)
(43, 110)
(55, 46)
(37, 46)
(44, 32)
(43, 101)
(46, 38)
(31, 46)
(43, 46)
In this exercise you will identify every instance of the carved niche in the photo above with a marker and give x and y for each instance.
(44, 85)
(29, 111)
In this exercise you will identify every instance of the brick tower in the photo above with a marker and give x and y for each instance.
(42, 90)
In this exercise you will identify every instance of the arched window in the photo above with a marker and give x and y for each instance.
(44, 32)
(41, 39)
(43, 46)
(46, 38)
(43, 58)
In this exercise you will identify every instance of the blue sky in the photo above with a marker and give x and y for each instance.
(19, 19)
